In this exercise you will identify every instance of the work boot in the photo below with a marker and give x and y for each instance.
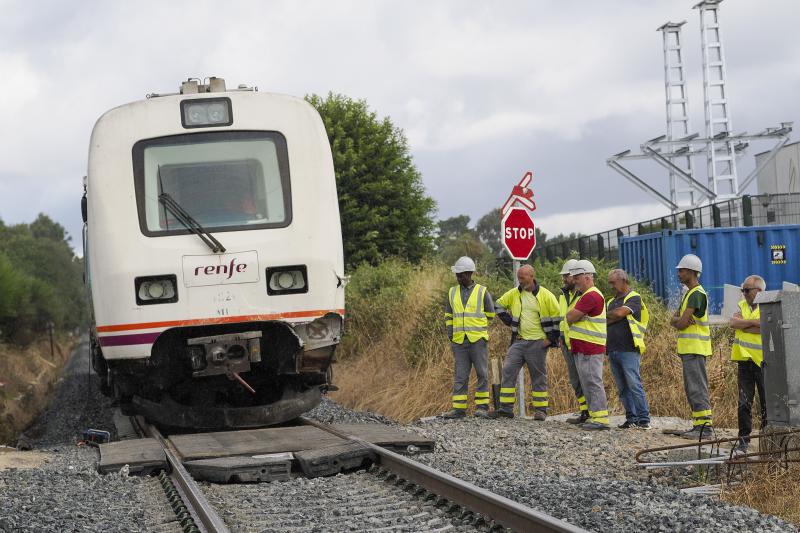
(741, 449)
(594, 426)
(580, 418)
(481, 412)
(540, 416)
(454, 413)
(697, 433)
(505, 412)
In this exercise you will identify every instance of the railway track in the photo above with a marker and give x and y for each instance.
(395, 494)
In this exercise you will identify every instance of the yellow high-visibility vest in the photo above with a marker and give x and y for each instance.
(696, 338)
(564, 307)
(638, 327)
(549, 314)
(590, 328)
(471, 321)
(747, 346)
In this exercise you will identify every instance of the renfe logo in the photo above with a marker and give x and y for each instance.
(222, 269)
(210, 270)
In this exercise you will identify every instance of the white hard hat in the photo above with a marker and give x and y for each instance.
(464, 264)
(692, 262)
(570, 264)
(582, 266)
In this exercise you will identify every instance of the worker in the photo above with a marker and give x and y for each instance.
(566, 301)
(468, 309)
(532, 312)
(748, 354)
(587, 336)
(694, 346)
(627, 318)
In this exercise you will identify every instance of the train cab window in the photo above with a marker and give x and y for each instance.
(224, 180)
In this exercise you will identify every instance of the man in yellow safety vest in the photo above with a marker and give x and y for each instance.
(748, 354)
(468, 309)
(694, 345)
(532, 312)
(587, 337)
(566, 301)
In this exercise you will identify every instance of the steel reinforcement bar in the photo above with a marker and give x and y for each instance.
(502, 510)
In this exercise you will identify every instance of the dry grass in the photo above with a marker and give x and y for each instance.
(770, 491)
(27, 378)
(396, 361)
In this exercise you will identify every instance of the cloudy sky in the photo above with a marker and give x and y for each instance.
(484, 90)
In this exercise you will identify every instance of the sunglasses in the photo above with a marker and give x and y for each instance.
(748, 289)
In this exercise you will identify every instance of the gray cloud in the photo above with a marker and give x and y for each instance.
(483, 90)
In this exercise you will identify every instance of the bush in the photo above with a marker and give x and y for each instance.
(40, 281)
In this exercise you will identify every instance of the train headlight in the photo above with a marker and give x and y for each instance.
(287, 280)
(206, 112)
(156, 289)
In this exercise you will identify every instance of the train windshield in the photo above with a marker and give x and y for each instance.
(224, 180)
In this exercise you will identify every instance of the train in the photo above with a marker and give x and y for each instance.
(213, 256)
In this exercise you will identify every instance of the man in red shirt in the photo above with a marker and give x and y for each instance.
(587, 335)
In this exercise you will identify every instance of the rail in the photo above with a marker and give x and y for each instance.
(502, 510)
(203, 513)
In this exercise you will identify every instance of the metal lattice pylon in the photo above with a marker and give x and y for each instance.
(677, 99)
(721, 156)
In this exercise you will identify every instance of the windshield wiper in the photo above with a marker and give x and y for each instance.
(191, 224)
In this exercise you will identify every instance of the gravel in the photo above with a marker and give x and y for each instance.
(66, 493)
(76, 406)
(588, 479)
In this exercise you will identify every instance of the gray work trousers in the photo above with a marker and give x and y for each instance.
(590, 372)
(533, 354)
(466, 356)
(695, 383)
(572, 372)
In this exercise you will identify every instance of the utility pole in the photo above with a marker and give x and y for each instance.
(521, 375)
(677, 100)
(721, 156)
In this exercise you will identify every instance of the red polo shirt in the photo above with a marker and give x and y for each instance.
(593, 305)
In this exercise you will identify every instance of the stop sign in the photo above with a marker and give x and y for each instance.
(519, 234)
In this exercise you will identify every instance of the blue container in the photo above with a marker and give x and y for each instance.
(729, 255)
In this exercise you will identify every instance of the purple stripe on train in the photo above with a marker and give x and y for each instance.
(127, 340)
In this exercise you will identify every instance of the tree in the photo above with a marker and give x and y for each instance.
(488, 229)
(382, 202)
(40, 280)
(451, 229)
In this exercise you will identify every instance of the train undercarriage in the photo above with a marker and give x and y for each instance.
(222, 376)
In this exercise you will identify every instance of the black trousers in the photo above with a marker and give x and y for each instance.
(749, 379)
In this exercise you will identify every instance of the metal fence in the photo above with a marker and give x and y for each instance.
(756, 210)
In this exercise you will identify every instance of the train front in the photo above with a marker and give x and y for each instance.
(214, 257)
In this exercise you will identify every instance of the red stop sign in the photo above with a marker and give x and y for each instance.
(519, 233)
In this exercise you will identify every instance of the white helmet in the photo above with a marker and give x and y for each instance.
(464, 264)
(582, 266)
(570, 264)
(692, 262)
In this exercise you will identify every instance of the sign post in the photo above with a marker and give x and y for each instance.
(519, 239)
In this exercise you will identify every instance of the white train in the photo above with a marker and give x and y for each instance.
(214, 256)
